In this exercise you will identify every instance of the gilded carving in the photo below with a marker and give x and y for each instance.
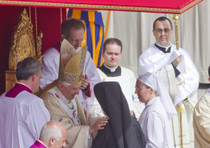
(22, 41)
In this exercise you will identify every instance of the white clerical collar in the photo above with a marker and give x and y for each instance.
(24, 85)
(111, 69)
(42, 143)
(166, 47)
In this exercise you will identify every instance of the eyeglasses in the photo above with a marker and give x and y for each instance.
(139, 89)
(77, 41)
(166, 30)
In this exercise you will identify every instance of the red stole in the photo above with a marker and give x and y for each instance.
(38, 144)
(57, 46)
(12, 93)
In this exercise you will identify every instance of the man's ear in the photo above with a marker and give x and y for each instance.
(52, 141)
(33, 77)
(61, 86)
(209, 78)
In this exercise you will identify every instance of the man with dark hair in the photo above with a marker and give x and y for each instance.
(201, 120)
(22, 113)
(111, 71)
(73, 31)
(179, 74)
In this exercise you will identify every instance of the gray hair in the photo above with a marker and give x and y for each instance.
(66, 84)
(27, 68)
(49, 131)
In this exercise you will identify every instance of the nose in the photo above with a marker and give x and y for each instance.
(64, 144)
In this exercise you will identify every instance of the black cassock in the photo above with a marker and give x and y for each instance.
(122, 130)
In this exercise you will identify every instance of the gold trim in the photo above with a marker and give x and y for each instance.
(176, 21)
(105, 7)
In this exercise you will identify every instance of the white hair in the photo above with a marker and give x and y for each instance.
(49, 131)
(66, 84)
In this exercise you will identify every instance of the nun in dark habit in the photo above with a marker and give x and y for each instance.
(122, 130)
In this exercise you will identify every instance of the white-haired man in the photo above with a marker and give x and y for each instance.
(63, 103)
(53, 135)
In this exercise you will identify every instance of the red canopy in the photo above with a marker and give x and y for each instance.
(157, 6)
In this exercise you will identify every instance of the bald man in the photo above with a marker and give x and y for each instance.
(53, 135)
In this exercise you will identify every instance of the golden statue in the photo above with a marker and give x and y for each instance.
(22, 41)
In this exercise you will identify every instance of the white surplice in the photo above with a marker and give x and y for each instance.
(127, 81)
(21, 120)
(184, 86)
(155, 125)
(51, 60)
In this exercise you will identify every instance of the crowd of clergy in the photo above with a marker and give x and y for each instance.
(80, 106)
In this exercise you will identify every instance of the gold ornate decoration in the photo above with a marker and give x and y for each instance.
(104, 7)
(22, 41)
(176, 21)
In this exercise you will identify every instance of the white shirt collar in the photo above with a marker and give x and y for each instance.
(42, 143)
(150, 102)
(111, 69)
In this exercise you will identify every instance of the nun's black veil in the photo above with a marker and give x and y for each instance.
(122, 130)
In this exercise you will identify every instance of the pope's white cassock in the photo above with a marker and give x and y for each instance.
(51, 60)
(22, 116)
(201, 121)
(127, 81)
(157, 59)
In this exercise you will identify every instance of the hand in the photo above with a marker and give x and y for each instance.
(177, 61)
(99, 125)
(85, 82)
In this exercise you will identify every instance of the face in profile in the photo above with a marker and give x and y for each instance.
(143, 92)
(76, 38)
(112, 55)
(69, 91)
(163, 32)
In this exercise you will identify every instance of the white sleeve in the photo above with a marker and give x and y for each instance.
(50, 67)
(93, 77)
(154, 131)
(35, 116)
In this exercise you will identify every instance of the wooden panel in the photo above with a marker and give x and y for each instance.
(10, 79)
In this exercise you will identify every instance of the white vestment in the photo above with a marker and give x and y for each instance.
(201, 121)
(51, 60)
(127, 81)
(21, 120)
(184, 86)
(155, 125)
(72, 115)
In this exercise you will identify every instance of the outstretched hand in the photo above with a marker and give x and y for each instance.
(99, 125)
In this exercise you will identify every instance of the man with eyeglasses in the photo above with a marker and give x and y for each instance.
(73, 31)
(178, 72)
